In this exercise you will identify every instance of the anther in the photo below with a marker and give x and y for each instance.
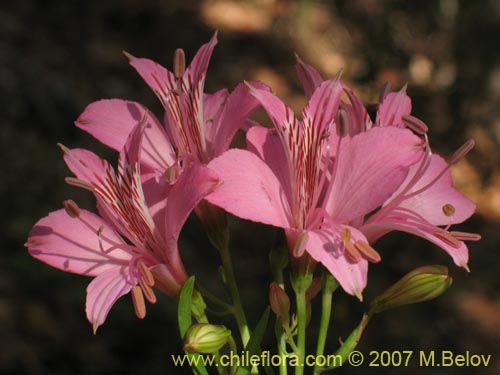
(79, 183)
(345, 235)
(448, 238)
(465, 236)
(71, 208)
(147, 291)
(448, 209)
(415, 124)
(367, 252)
(138, 300)
(384, 91)
(342, 123)
(462, 151)
(171, 173)
(146, 273)
(350, 251)
(179, 63)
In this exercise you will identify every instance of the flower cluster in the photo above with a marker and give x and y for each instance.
(335, 179)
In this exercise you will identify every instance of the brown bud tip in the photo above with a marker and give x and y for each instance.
(179, 63)
(71, 208)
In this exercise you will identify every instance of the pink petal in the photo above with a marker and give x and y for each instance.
(377, 228)
(326, 247)
(74, 245)
(429, 203)
(359, 119)
(193, 184)
(308, 76)
(239, 105)
(156, 76)
(266, 144)
(86, 165)
(323, 105)
(371, 166)
(394, 106)
(199, 64)
(112, 120)
(249, 189)
(105, 290)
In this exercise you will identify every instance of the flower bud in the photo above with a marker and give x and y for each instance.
(280, 303)
(206, 338)
(421, 284)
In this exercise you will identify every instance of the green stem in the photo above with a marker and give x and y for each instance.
(329, 286)
(300, 295)
(232, 288)
(278, 330)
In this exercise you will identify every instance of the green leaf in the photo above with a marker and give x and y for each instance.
(184, 310)
(185, 320)
(253, 346)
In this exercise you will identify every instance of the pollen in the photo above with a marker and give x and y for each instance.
(71, 208)
(448, 209)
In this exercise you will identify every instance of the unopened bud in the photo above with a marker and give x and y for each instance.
(313, 289)
(421, 284)
(206, 338)
(280, 303)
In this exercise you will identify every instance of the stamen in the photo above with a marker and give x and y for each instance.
(345, 235)
(367, 252)
(342, 123)
(415, 124)
(71, 208)
(384, 91)
(465, 236)
(147, 291)
(146, 273)
(79, 183)
(99, 232)
(448, 209)
(448, 238)
(171, 173)
(138, 300)
(350, 251)
(462, 151)
(179, 63)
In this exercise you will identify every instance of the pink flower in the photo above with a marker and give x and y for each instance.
(315, 184)
(196, 125)
(426, 204)
(130, 247)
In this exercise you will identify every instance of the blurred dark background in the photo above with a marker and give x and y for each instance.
(58, 56)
